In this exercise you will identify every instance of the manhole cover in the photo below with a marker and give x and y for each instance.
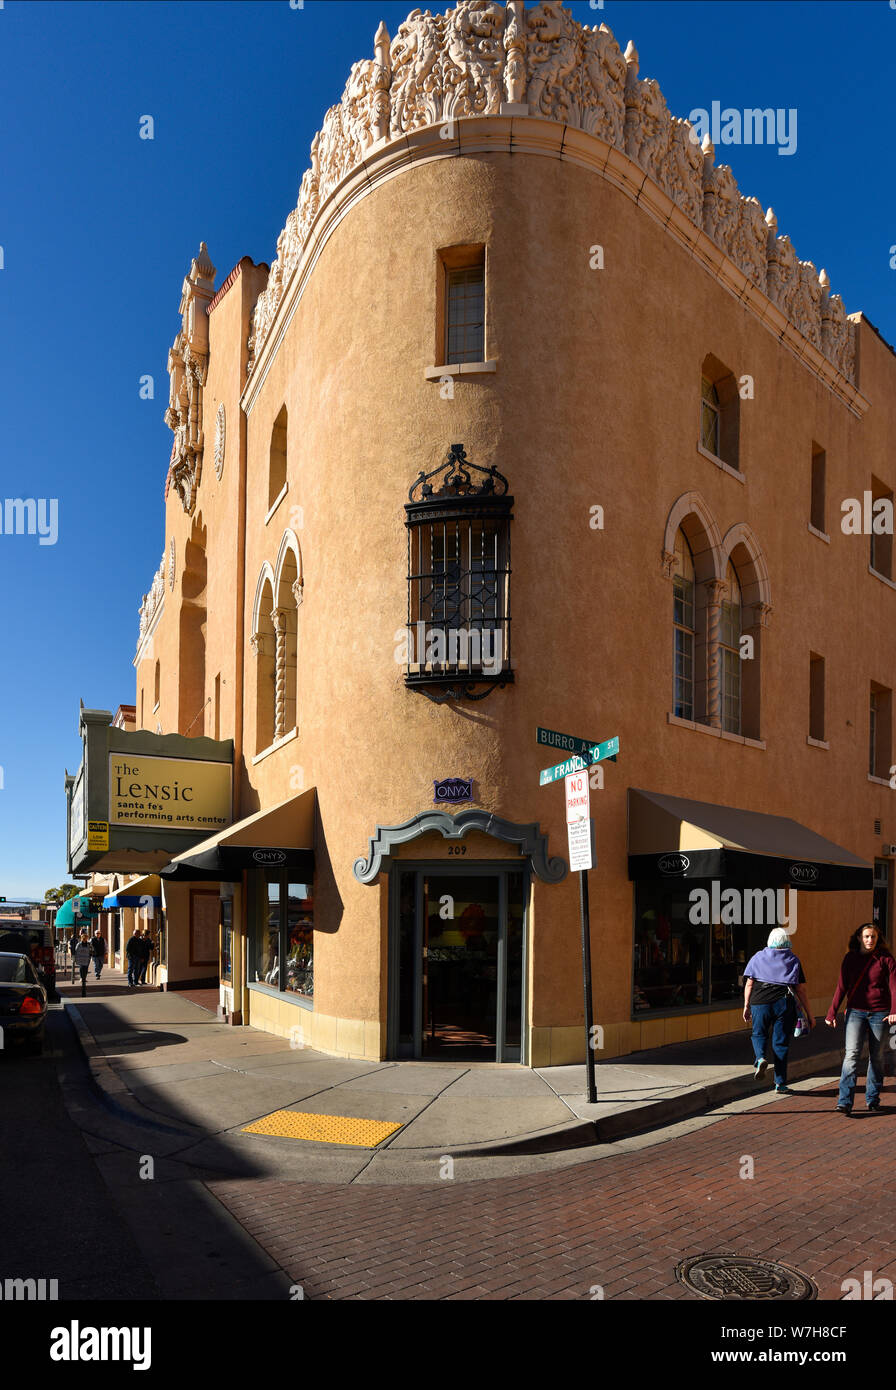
(743, 1277)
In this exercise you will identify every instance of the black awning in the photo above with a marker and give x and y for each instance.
(227, 862)
(671, 838)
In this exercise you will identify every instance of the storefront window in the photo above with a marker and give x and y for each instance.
(227, 940)
(300, 939)
(285, 932)
(683, 964)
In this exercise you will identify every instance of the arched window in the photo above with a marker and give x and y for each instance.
(685, 626)
(288, 593)
(157, 686)
(264, 647)
(193, 628)
(277, 474)
(720, 412)
(730, 618)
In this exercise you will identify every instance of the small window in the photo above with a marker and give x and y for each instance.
(684, 620)
(157, 684)
(729, 651)
(879, 730)
(720, 412)
(709, 433)
(881, 556)
(461, 305)
(816, 697)
(817, 512)
(277, 473)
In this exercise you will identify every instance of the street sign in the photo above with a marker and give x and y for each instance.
(595, 753)
(579, 835)
(578, 801)
(566, 743)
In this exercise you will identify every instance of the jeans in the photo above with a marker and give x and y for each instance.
(133, 970)
(780, 1017)
(83, 969)
(97, 966)
(859, 1024)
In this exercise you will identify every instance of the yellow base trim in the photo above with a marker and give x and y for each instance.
(323, 1129)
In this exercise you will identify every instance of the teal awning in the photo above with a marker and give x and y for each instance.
(65, 917)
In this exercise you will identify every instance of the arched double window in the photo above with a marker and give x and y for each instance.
(274, 641)
(685, 626)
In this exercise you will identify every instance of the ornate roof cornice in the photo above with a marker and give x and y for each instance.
(485, 58)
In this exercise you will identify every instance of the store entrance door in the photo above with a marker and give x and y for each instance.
(458, 957)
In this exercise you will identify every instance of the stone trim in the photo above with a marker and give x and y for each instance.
(529, 838)
(439, 90)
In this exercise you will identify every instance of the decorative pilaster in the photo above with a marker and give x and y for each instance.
(380, 82)
(714, 589)
(631, 128)
(278, 618)
(514, 103)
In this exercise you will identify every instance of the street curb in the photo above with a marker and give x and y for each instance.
(660, 1113)
(578, 1134)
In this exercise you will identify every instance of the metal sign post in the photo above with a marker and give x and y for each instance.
(584, 753)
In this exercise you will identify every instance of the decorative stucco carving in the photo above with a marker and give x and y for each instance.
(187, 367)
(152, 602)
(220, 440)
(485, 55)
(532, 842)
(172, 564)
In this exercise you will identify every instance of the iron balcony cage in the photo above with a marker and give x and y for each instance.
(458, 626)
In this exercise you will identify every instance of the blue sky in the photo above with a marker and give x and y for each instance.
(98, 228)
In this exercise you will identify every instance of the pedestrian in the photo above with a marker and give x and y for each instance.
(146, 953)
(773, 982)
(100, 951)
(133, 950)
(82, 956)
(868, 984)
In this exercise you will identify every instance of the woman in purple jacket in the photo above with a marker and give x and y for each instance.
(773, 982)
(868, 984)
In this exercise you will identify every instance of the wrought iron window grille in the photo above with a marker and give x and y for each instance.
(458, 626)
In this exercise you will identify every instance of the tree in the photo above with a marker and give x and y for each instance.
(61, 894)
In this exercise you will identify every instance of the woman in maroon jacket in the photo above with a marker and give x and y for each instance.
(868, 984)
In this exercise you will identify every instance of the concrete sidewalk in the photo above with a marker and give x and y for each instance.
(166, 1063)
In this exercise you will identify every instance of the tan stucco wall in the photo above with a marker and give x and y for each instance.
(595, 401)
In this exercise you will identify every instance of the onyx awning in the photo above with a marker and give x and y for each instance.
(281, 837)
(671, 837)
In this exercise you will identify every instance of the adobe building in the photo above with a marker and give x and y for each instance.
(534, 421)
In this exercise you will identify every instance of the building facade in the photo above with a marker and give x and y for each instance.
(534, 421)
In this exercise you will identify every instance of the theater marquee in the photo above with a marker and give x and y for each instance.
(168, 792)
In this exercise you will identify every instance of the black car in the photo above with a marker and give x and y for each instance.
(34, 940)
(23, 1001)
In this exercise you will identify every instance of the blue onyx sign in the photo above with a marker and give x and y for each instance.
(453, 789)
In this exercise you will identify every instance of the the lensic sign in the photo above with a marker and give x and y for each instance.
(804, 873)
(673, 863)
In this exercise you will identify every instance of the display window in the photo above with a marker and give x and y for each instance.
(283, 948)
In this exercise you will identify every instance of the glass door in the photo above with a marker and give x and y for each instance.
(457, 963)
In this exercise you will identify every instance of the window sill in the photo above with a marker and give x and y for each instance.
(822, 535)
(283, 491)
(286, 996)
(720, 463)
(715, 733)
(881, 781)
(460, 369)
(882, 577)
(816, 742)
(280, 743)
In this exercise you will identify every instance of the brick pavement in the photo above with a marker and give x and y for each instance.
(819, 1200)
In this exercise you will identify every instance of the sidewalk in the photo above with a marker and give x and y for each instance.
(162, 1060)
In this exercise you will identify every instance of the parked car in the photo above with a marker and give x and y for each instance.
(34, 940)
(23, 1001)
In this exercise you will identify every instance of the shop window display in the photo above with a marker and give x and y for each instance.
(286, 936)
(680, 964)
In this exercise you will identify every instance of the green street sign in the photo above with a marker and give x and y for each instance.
(564, 743)
(592, 753)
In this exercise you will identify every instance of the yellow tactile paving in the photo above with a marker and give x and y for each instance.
(323, 1129)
